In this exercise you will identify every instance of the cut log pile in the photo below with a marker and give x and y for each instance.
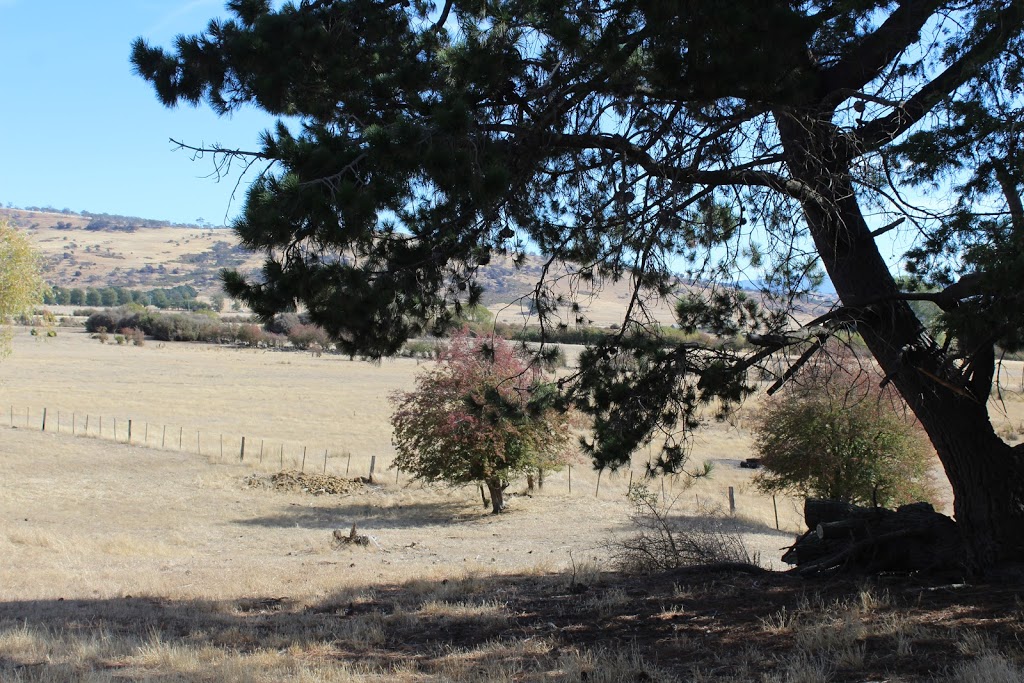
(844, 538)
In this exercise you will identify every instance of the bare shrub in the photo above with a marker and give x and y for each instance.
(665, 541)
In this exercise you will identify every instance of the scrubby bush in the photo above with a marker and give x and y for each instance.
(304, 336)
(134, 335)
(834, 433)
(282, 323)
(249, 334)
(664, 540)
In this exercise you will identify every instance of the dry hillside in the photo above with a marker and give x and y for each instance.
(100, 251)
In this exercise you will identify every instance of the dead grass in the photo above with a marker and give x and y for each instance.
(132, 563)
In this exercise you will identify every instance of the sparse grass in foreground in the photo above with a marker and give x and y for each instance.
(694, 626)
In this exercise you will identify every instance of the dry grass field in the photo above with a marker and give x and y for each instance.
(146, 561)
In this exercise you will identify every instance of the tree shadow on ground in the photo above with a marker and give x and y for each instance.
(471, 625)
(368, 516)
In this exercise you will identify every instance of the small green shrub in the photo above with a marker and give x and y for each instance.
(833, 433)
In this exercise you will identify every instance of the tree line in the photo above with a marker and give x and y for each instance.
(182, 296)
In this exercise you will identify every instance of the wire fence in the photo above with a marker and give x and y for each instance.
(269, 454)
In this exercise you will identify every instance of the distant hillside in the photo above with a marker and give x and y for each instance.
(102, 250)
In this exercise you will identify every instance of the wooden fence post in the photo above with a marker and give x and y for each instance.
(163, 439)
(775, 505)
(732, 501)
(598, 489)
(241, 455)
(349, 463)
(181, 433)
(261, 451)
(373, 465)
(303, 459)
(44, 419)
(282, 457)
(199, 444)
(129, 432)
(325, 461)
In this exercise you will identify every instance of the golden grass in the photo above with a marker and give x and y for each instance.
(126, 562)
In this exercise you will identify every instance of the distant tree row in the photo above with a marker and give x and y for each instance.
(182, 296)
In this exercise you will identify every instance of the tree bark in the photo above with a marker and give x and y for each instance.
(496, 488)
(986, 474)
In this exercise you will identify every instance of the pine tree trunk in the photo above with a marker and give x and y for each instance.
(986, 474)
(497, 490)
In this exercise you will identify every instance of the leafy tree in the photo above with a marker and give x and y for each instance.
(635, 139)
(482, 415)
(21, 284)
(833, 433)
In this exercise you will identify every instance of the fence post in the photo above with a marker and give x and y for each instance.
(101, 426)
(325, 461)
(145, 433)
(598, 489)
(129, 432)
(199, 444)
(181, 432)
(732, 501)
(241, 455)
(163, 439)
(303, 459)
(349, 463)
(44, 419)
(282, 457)
(73, 416)
(776, 507)
(261, 451)
(87, 424)
(373, 464)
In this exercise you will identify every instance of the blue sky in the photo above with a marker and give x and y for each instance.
(79, 130)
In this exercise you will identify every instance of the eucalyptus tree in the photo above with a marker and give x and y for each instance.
(639, 140)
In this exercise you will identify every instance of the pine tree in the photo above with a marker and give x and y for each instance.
(635, 139)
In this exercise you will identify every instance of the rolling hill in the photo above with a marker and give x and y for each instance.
(102, 250)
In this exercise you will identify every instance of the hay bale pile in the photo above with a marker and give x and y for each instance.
(300, 482)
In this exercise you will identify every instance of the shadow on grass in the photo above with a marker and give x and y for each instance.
(494, 628)
(366, 516)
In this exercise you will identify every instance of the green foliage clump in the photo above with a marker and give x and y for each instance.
(833, 433)
(21, 284)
